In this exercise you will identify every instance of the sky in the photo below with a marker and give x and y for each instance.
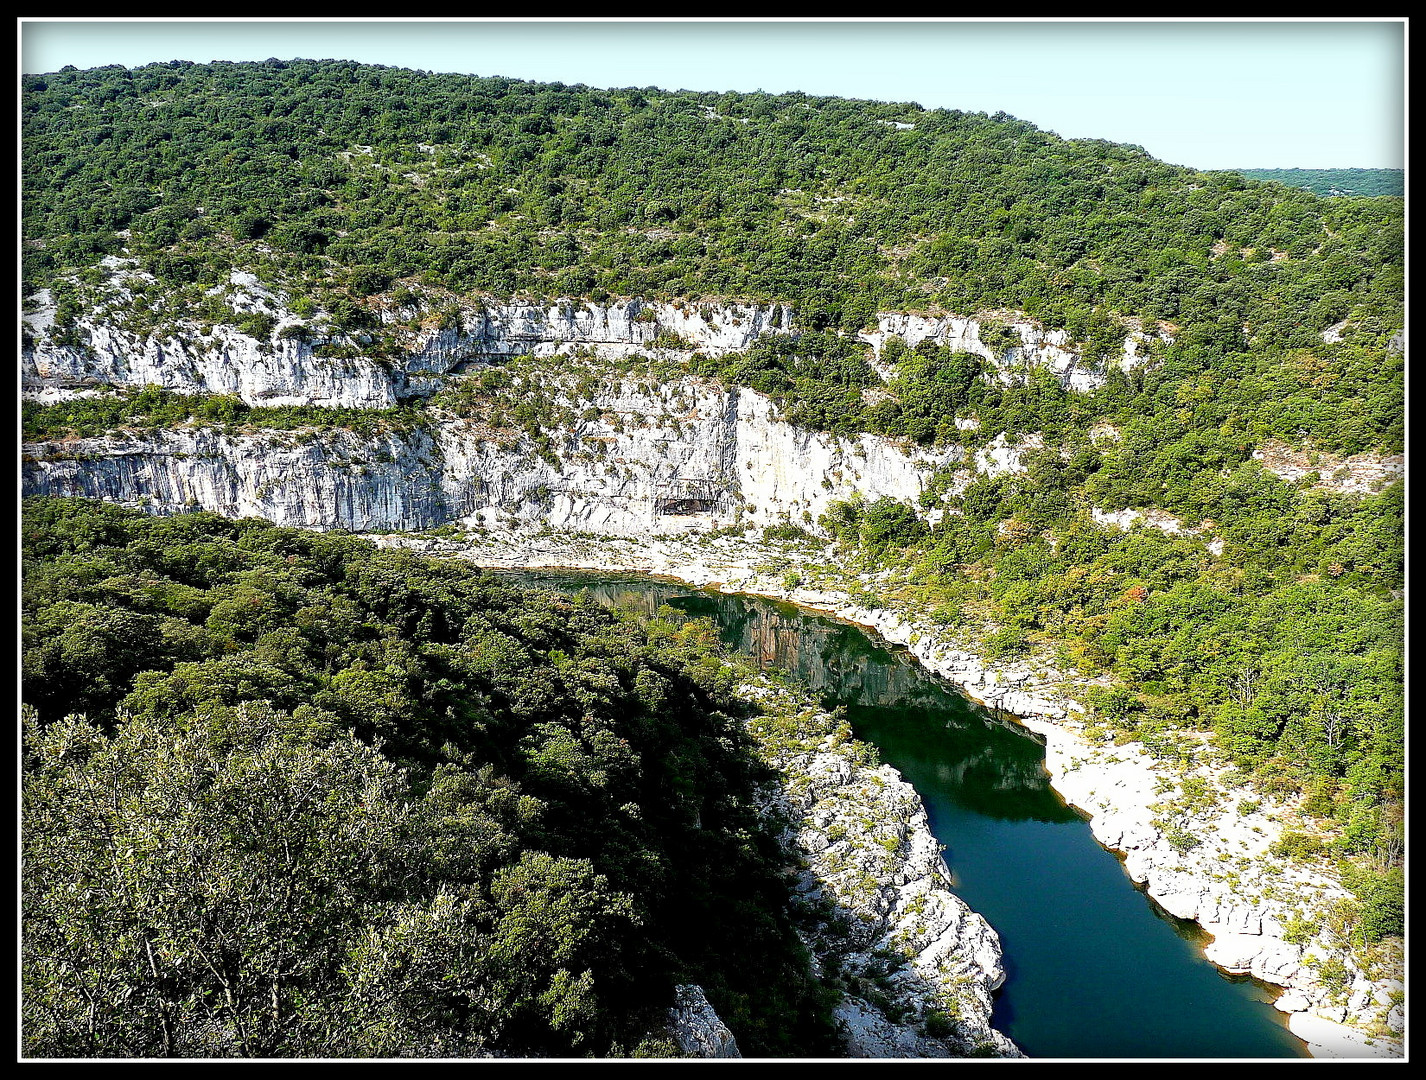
(1208, 94)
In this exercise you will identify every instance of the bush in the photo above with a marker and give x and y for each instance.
(1006, 642)
(891, 523)
(1382, 895)
(1296, 845)
(1180, 839)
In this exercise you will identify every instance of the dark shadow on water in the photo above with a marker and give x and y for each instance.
(1095, 968)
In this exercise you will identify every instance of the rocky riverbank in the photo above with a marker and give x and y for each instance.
(918, 968)
(1200, 846)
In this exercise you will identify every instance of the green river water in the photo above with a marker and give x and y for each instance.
(1094, 968)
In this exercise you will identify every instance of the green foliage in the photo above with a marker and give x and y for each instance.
(342, 181)
(1363, 183)
(1296, 845)
(154, 409)
(816, 378)
(1335, 976)
(1181, 839)
(335, 801)
(889, 523)
(1299, 931)
(1382, 895)
(937, 1024)
(1006, 643)
(932, 386)
(334, 174)
(190, 891)
(787, 531)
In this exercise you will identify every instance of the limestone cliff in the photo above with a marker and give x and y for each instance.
(875, 892)
(311, 361)
(331, 479)
(285, 358)
(639, 461)
(696, 1029)
(1025, 342)
(672, 459)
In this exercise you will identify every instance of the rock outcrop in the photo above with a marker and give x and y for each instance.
(922, 965)
(678, 461)
(1208, 860)
(1025, 342)
(1358, 474)
(311, 362)
(328, 479)
(696, 1028)
(292, 359)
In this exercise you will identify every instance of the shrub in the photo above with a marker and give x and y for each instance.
(1297, 845)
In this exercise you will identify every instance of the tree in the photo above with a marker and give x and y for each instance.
(193, 889)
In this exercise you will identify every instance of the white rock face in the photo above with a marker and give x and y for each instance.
(1001, 459)
(1150, 516)
(862, 837)
(696, 1027)
(1329, 1040)
(1155, 518)
(1333, 333)
(286, 371)
(333, 480)
(281, 372)
(1359, 474)
(1037, 346)
(725, 458)
(648, 466)
(528, 329)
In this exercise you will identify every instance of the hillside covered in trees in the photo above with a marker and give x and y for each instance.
(1266, 622)
(343, 178)
(1358, 183)
(290, 795)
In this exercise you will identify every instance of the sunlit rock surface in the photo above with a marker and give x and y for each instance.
(696, 1027)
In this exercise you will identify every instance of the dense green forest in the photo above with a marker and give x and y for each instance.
(1286, 648)
(1272, 623)
(1362, 183)
(338, 179)
(286, 794)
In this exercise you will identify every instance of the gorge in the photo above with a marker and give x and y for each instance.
(1105, 455)
(678, 461)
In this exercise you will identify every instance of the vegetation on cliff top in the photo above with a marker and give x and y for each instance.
(1338, 183)
(338, 179)
(350, 188)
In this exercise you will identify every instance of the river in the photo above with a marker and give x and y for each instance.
(1095, 969)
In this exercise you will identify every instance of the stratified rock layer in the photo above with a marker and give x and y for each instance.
(684, 458)
(688, 458)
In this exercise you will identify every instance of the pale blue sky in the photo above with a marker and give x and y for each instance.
(1213, 94)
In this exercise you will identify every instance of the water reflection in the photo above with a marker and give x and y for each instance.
(1095, 969)
(995, 765)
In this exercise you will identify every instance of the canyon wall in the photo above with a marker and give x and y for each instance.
(671, 459)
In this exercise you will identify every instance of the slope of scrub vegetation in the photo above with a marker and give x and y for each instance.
(342, 179)
(1359, 183)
